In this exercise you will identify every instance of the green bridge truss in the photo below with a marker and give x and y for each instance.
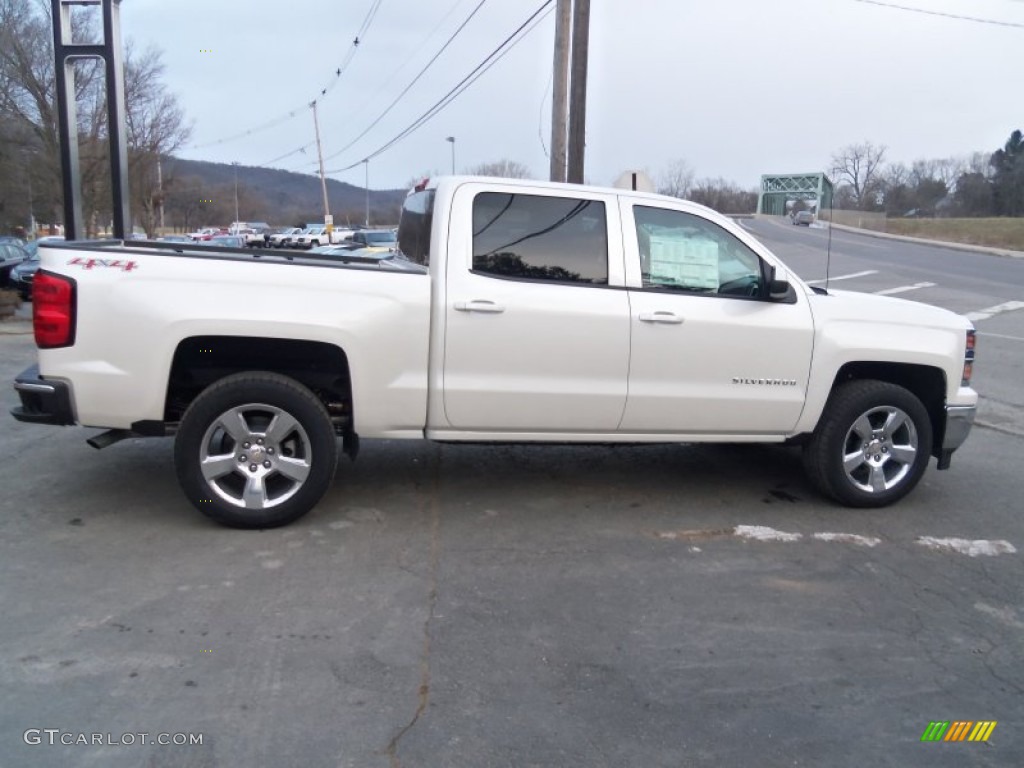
(776, 189)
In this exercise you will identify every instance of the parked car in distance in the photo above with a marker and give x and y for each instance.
(205, 233)
(22, 275)
(11, 255)
(374, 239)
(803, 218)
(226, 241)
(314, 237)
(282, 237)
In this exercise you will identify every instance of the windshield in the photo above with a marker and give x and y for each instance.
(380, 237)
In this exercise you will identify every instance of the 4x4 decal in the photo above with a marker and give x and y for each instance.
(122, 264)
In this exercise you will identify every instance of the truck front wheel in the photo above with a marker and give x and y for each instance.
(255, 450)
(871, 446)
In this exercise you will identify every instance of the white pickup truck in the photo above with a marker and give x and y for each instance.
(512, 311)
(314, 237)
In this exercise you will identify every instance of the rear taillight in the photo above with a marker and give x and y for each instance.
(968, 359)
(53, 310)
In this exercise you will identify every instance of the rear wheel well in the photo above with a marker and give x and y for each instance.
(199, 361)
(926, 382)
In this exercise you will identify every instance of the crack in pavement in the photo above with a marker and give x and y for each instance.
(423, 692)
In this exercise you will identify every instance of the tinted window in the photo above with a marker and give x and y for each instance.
(540, 238)
(680, 251)
(414, 226)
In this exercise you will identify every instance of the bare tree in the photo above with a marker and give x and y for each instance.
(156, 128)
(676, 180)
(859, 166)
(724, 196)
(978, 162)
(896, 185)
(508, 169)
(28, 116)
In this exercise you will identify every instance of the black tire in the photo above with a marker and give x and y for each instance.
(871, 446)
(285, 436)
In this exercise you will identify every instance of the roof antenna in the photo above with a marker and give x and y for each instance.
(831, 221)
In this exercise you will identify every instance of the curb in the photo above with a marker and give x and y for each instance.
(1002, 252)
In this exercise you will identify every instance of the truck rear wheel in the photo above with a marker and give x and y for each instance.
(255, 450)
(871, 446)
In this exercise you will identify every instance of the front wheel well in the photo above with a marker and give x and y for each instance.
(927, 383)
(323, 368)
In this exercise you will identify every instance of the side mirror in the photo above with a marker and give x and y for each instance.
(781, 292)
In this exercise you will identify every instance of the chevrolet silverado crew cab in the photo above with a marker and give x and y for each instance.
(511, 311)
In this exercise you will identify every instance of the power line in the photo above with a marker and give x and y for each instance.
(423, 44)
(336, 76)
(489, 61)
(495, 56)
(301, 149)
(944, 15)
(413, 82)
(362, 108)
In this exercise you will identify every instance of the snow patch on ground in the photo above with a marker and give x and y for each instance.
(968, 547)
(763, 533)
(849, 538)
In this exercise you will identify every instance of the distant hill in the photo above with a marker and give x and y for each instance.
(201, 193)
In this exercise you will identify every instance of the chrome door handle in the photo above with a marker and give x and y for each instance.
(479, 305)
(668, 318)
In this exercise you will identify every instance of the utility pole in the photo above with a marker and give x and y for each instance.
(578, 93)
(323, 179)
(451, 140)
(560, 89)
(366, 165)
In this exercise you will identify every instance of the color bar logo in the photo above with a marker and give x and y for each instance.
(958, 730)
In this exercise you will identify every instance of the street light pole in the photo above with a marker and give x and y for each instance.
(451, 140)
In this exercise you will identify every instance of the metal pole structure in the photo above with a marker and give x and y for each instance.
(560, 89)
(116, 117)
(366, 166)
(451, 140)
(238, 224)
(66, 51)
(320, 156)
(578, 90)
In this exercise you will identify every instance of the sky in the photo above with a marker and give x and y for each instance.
(735, 88)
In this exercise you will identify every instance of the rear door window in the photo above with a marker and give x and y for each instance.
(533, 237)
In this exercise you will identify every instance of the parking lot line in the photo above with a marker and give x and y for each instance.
(985, 314)
(1001, 336)
(904, 289)
(865, 273)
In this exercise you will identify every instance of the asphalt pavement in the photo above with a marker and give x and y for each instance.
(527, 606)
